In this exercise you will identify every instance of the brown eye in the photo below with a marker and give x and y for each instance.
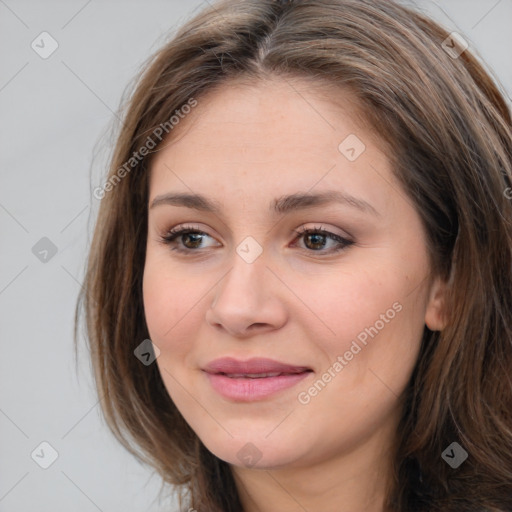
(194, 239)
(185, 239)
(315, 240)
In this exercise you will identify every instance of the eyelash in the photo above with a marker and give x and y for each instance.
(173, 234)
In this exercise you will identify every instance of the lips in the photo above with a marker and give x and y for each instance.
(252, 375)
(252, 380)
(253, 368)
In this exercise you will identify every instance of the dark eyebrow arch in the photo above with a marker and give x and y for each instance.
(194, 201)
(301, 201)
(283, 204)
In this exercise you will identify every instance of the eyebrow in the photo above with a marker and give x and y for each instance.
(283, 204)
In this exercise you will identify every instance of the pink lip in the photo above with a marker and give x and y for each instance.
(246, 389)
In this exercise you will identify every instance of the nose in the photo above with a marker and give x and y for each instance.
(247, 300)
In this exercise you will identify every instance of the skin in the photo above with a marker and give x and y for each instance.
(245, 145)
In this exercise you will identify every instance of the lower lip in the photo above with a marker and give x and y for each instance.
(247, 390)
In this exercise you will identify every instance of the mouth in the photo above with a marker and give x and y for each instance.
(252, 380)
(254, 375)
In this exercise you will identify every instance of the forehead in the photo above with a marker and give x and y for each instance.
(267, 137)
(318, 107)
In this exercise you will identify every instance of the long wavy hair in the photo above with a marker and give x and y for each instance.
(448, 131)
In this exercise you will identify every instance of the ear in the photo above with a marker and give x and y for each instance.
(435, 313)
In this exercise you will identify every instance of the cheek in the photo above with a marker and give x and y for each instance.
(175, 304)
(158, 304)
(374, 318)
(168, 301)
(368, 361)
(172, 310)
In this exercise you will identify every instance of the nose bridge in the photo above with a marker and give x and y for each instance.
(244, 280)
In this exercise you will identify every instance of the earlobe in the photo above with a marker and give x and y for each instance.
(435, 313)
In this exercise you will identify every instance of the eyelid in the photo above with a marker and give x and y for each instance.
(321, 228)
(186, 227)
(180, 228)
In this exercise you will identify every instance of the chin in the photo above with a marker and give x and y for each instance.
(254, 453)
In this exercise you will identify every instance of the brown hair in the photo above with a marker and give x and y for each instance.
(449, 134)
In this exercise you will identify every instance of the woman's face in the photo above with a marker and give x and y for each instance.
(328, 322)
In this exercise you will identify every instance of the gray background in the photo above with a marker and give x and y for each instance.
(55, 117)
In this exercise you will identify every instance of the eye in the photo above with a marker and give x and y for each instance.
(317, 238)
(190, 237)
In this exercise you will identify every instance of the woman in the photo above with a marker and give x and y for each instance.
(299, 291)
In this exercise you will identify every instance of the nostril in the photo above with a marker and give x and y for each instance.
(256, 325)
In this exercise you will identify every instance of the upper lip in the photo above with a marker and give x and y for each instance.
(230, 365)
